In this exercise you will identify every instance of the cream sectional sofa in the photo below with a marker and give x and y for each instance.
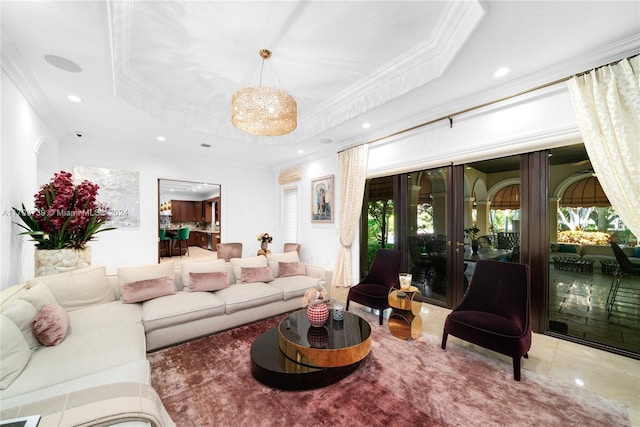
(99, 372)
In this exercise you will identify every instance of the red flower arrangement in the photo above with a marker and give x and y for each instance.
(65, 215)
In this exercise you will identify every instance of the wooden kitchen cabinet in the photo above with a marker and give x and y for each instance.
(198, 213)
(185, 211)
(207, 211)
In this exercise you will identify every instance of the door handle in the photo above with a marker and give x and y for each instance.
(459, 244)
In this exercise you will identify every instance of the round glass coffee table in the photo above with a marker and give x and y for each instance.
(297, 356)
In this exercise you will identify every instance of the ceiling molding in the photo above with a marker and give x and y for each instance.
(416, 67)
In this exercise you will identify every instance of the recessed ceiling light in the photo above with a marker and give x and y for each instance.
(300, 151)
(501, 72)
(366, 125)
(74, 98)
(161, 138)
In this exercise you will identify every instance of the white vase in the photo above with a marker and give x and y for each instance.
(54, 261)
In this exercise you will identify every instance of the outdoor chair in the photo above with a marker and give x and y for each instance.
(625, 269)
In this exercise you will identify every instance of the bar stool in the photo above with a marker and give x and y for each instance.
(164, 238)
(183, 236)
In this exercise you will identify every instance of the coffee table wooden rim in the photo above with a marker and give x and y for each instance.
(323, 357)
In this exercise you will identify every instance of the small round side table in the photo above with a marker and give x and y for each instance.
(405, 321)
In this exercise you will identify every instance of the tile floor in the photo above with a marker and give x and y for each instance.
(609, 375)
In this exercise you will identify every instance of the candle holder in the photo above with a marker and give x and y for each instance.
(405, 281)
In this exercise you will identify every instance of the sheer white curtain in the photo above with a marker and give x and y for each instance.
(353, 173)
(607, 104)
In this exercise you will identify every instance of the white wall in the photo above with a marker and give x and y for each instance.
(22, 132)
(528, 123)
(247, 202)
(319, 240)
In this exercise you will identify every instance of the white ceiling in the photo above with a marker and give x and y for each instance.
(153, 68)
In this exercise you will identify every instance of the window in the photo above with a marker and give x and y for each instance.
(290, 215)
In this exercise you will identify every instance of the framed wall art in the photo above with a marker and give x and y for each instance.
(119, 189)
(322, 199)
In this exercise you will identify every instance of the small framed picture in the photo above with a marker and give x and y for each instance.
(322, 199)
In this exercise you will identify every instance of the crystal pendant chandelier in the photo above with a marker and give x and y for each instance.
(265, 111)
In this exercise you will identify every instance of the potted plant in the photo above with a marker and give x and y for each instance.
(65, 218)
(264, 239)
(471, 233)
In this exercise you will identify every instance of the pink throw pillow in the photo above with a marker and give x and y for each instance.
(144, 290)
(291, 269)
(51, 324)
(256, 274)
(212, 281)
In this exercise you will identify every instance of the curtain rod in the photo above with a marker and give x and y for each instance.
(486, 104)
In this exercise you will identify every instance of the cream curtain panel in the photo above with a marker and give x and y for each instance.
(353, 173)
(607, 104)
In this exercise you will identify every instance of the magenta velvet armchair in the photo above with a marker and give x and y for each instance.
(495, 311)
(373, 290)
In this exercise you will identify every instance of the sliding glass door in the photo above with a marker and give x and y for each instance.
(544, 209)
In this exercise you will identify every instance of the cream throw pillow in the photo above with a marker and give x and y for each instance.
(38, 295)
(14, 352)
(79, 288)
(144, 272)
(275, 258)
(22, 312)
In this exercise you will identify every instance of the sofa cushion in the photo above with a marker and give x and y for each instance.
(286, 269)
(78, 288)
(255, 274)
(143, 290)
(212, 281)
(144, 272)
(636, 252)
(181, 308)
(137, 371)
(294, 286)
(80, 355)
(238, 263)
(240, 296)
(200, 267)
(91, 319)
(275, 258)
(14, 352)
(570, 249)
(22, 312)
(51, 324)
(38, 295)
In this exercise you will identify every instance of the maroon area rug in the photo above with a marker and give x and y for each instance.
(208, 382)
